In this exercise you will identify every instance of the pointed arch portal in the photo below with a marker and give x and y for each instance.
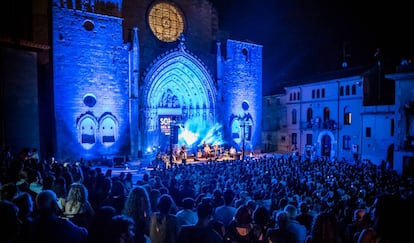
(179, 87)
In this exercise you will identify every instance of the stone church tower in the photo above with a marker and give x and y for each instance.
(133, 77)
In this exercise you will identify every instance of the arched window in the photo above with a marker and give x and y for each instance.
(87, 127)
(309, 114)
(108, 128)
(294, 116)
(326, 114)
(347, 116)
(354, 89)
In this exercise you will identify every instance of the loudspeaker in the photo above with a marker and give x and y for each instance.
(174, 135)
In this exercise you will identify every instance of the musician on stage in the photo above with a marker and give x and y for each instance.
(183, 152)
(207, 150)
(216, 150)
(232, 152)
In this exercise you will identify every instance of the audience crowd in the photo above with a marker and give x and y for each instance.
(271, 198)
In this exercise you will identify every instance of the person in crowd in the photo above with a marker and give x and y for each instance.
(35, 181)
(67, 174)
(116, 197)
(187, 215)
(102, 190)
(305, 217)
(387, 225)
(225, 213)
(77, 206)
(10, 225)
(128, 183)
(261, 222)
(49, 227)
(187, 190)
(240, 229)
(325, 229)
(100, 227)
(154, 196)
(138, 207)
(8, 191)
(164, 225)
(122, 229)
(203, 231)
(173, 188)
(242, 199)
(293, 225)
(59, 187)
(24, 201)
(354, 228)
(48, 181)
(292, 181)
(218, 199)
(280, 233)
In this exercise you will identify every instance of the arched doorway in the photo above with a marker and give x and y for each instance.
(177, 87)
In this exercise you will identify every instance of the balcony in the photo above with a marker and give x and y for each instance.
(330, 124)
(316, 124)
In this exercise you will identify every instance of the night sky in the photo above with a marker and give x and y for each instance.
(304, 38)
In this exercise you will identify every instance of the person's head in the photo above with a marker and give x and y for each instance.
(304, 208)
(325, 228)
(104, 214)
(9, 222)
(261, 215)
(228, 196)
(244, 214)
(24, 202)
(78, 192)
(358, 214)
(59, 187)
(387, 223)
(46, 202)
(137, 204)
(118, 188)
(8, 191)
(123, 228)
(188, 203)
(217, 193)
(165, 203)
(281, 219)
(205, 209)
(291, 211)
(154, 196)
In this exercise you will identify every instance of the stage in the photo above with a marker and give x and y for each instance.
(140, 167)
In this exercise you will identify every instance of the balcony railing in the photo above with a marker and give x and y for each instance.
(316, 124)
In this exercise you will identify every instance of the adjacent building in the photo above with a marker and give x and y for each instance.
(354, 114)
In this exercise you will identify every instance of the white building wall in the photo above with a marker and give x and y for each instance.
(392, 133)
(403, 146)
(328, 108)
(377, 119)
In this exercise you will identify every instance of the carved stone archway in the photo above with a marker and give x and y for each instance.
(178, 84)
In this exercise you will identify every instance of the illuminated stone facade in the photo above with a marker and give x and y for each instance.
(116, 84)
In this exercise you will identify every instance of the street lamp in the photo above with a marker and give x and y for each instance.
(172, 134)
(243, 123)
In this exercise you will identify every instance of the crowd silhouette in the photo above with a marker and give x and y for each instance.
(270, 198)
